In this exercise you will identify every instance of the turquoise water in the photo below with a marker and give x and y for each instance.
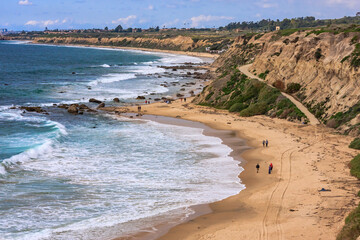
(90, 176)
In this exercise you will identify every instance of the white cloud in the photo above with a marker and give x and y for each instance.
(347, 3)
(151, 7)
(45, 23)
(266, 4)
(125, 21)
(171, 23)
(196, 21)
(25, 2)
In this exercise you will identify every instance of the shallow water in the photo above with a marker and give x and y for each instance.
(89, 176)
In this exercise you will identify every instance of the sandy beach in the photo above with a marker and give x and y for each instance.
(286, 204)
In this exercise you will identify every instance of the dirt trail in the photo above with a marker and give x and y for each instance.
(312, 119)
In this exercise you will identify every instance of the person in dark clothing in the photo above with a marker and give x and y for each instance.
(266, 142)
(263, 143)
(270, 169)
(257, 168)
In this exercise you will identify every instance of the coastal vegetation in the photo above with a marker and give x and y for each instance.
(250, 97)
(300, 22)
(355, 144)
(351, 229)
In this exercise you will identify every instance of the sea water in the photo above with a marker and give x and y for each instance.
(96, 176)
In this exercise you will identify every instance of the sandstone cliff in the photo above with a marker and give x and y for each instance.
(320, 69)
(182, 43)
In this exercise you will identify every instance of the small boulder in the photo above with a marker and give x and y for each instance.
(73, 109)
(116, 100)
(94, 100)
(83, 106)
(101, 105)
(140, 97)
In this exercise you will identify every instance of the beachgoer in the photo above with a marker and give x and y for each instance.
(180, 99)
(146, 102)
(185, 99)
(257, 168)
(266, 142)
(271, 165)
(139, 108)
(263, 143)
(269, 169)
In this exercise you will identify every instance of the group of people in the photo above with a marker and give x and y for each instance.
(181, 99)
(270, 168)
(265, 144)
(147, 101)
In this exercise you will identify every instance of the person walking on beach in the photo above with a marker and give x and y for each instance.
(271, 165)
(270, 168)
(257, 168)
(266, 142)
(263, 143)
(185, 99)
(139, 108)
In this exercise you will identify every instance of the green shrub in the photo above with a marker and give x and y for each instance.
(209, 96)
(318, 54)
(351, 230)
(264, 74)
(254, 109)
(355, 166)
(355, 144)
(293, 88)
(237, 107)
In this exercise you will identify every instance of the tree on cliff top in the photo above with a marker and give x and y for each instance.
(119, 28)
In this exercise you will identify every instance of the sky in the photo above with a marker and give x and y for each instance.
(80, 14)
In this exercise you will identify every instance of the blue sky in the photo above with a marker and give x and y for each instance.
(69, 14)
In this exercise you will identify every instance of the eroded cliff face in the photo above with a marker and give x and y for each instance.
(177, 43)
(322, 65)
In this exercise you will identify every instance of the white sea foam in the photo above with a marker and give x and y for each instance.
(105, 65)
(109, 78)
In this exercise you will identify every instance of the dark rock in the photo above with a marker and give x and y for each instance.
(101, 105)
(65, 106)
(81, 113)
(140, 97)
(94, 100)
(116, 100)
(73, 73)
(91, 110)
(33, 109)
(83, 106)
(182, 89)
(179, 95)
(13, 108)
(73, 109)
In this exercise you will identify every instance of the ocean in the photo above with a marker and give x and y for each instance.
(92, 176)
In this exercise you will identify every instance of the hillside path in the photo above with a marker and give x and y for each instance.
(312, 119)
